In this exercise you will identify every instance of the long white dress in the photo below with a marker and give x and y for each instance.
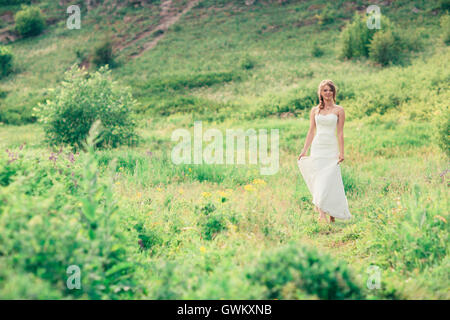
(321, 171)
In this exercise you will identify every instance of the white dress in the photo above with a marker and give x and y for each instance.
(321, 171)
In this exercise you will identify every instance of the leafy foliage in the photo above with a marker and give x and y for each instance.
(29, 21)
(6, 58)
(289, 270)
(74, 106)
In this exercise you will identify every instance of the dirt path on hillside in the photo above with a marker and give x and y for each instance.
(168, 18)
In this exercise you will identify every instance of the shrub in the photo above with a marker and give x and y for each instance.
(385, 48)
(327, 15)
(29, 21)
(355, 38)
(103, 54)
(292, 270)
(6, 58)
(316, 51)
(80, 100)
(13, 2)
(211, 222)
(56, 220)
(247, 63)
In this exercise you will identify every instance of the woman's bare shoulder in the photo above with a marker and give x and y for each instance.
(339, 109)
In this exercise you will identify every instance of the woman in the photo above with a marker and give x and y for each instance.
(321, 170)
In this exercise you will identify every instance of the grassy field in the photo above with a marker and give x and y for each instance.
(204, 231)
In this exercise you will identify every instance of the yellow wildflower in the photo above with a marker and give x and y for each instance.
(203, 249)
(159, 189)
(206, 194)
(190, 170)
(181, 191)
(223, 194)
(259, 181)
(249, 187)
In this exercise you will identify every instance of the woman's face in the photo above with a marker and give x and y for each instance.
(326, 92)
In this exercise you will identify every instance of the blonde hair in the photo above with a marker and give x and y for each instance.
(321, 85)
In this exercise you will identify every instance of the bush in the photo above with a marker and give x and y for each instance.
(385, 48)
(327, 15)
(6, 58)
(211, 223)
(64, 215)
(80, 100)
(103, 54)
(355, 38)
(291, 271)
(13, 2)
(247, 63)
(316, 51)
(29, 21)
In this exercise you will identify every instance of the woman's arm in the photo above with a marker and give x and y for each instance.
(311, 132)
(340, 133)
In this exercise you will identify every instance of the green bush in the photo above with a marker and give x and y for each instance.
(355, 38)
(247, 63)
(103, 54)
(327, 15)
(13, 2)
(291, 271)
(64, 215)
(6, 58)
(211, 222)
(385, 48)
(72, 108)
(29, 21)
(317, 51)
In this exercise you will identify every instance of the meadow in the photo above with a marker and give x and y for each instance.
(141, 227)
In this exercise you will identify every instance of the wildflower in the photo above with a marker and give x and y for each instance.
(249, 187)
(203, 249)
(53, 157)
(259, 181)
(222, 194)
(190, 170)
(117, 183)
(139, 195)
(206, 194)
(181, 191)
(159, 189)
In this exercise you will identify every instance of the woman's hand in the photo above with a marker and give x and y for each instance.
(301, 155)
(341, 158)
